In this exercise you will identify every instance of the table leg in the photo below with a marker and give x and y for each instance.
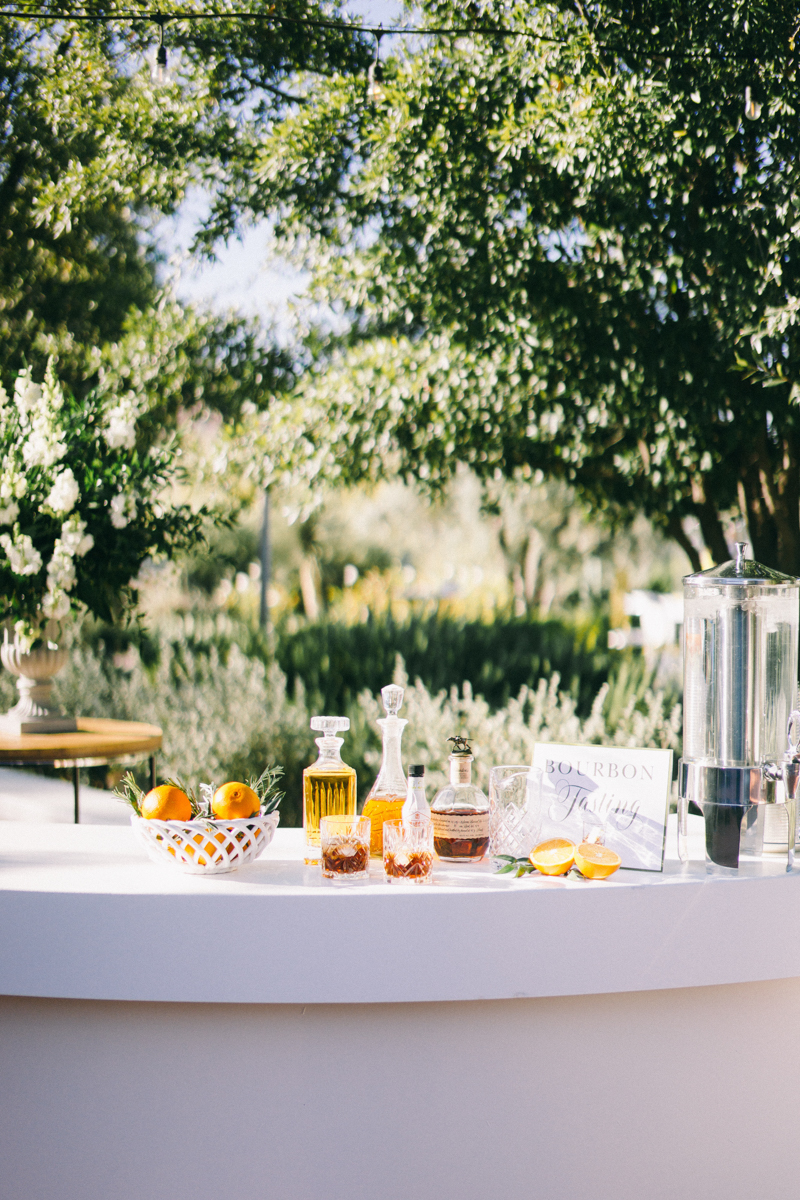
(76, 790)
(152, 771)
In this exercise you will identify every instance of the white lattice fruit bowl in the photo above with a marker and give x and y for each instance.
(206, 846)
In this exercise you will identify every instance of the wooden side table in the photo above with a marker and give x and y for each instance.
(97, 743)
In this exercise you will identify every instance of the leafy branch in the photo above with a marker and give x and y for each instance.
(519, 867)
(130, 793)
(514, 866)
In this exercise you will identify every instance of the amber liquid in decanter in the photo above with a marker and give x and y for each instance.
(388, 793)
(329, 785)
(326, 794)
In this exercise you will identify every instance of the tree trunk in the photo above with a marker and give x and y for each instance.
(265, 556)
(771, 489)
(713, 533)
(530, 569)
(308, 588)
(676, 531)
(781, 489)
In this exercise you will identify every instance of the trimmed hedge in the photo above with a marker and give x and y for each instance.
(335, 662)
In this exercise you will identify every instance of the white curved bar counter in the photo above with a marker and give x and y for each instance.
(267, 1035)
(84, 915)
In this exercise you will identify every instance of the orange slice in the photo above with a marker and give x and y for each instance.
(554, 857)
(596, 862)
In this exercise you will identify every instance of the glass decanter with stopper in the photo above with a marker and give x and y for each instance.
(329, 785)
(388, 793)
(460, 811)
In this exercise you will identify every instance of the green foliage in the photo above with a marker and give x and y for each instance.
(92, 154)
(646, 717)
(226, 551)
(335, 662)
(78, 155)
(173, 358)
(556, 253)
(225, 716)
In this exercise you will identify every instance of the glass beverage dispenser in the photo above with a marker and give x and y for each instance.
(740, 682)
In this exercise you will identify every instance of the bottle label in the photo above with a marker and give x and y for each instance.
(460, 826)
(460, 768)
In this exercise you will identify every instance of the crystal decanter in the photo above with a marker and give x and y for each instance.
(329, 785)
(388, 793)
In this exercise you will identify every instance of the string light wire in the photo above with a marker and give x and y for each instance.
(86, 13)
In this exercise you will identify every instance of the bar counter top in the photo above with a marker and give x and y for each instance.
(266, 1035)
(85, 915)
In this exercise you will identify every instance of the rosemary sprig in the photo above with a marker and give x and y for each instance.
(129, 792)
(264, 785)
(266, 788)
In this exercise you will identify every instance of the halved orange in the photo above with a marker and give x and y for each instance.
(596, 862)
(233, 801)
(554, 857)
(166, 803)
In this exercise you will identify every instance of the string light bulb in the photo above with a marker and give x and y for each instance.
(161, 74)
(376, 93)
(752, 109)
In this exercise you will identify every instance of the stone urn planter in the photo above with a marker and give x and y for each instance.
(35, 670)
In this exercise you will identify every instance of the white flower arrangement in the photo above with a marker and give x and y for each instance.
(40, 407)
(121, 421)
(64, 494)
(75, 536)
(12, 488)
(23, 557)
(123, 509)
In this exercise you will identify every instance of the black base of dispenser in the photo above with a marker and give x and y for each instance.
(723, 831)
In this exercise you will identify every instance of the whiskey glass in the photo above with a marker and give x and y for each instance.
(515, 819)
(344, 847)
(593, 828)
(408, 851)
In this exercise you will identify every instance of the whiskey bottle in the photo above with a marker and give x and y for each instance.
(416, 807)
(329, 785)
(460, 811)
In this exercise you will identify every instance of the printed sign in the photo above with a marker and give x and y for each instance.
(580, 790)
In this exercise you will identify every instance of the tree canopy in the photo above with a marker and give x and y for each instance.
(92, 155)
(568, 251)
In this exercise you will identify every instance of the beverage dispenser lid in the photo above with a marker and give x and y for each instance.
(741, 570)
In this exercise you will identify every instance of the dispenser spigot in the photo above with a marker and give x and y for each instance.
(789, 772)
(790, 767)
